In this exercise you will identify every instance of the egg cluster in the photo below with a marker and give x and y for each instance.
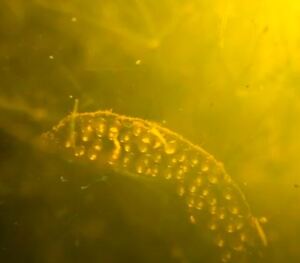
(142, 148)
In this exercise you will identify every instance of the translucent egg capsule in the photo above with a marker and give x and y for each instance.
(168, 175)
(157, 157)
(136, 130)
(181, 157)
(127, 147)
(193, 189)
(146, 139)
(234, 209)
(194, 161)
(204, 167)
(226, 256)
(85, 137)
(101, 127)
(124, 137)
(170, 147)
(135, 146)
(92, 156)
(68, 144)
(143, 147)
(213, 178)
(113, 132)
(180, 190)
(79, 151)
(230, 228)
(212, 226)
(191, 202)
(219, 241)
(199, 205)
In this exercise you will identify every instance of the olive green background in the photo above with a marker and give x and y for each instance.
(224, 74)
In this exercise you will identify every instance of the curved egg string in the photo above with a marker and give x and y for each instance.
(142, 148)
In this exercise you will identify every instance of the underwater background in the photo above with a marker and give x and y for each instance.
(224, 74)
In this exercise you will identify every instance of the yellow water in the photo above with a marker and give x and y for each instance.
(223, 76)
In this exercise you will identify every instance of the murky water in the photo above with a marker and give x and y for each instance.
(183, 142)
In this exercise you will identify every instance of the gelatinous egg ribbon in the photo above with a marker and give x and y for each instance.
(143, 148)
